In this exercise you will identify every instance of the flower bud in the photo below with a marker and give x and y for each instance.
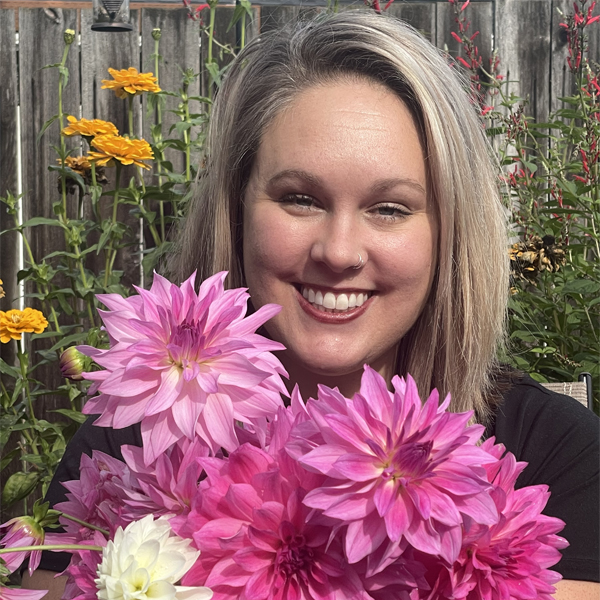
(73, 363)
(156, 33)
(69, 36)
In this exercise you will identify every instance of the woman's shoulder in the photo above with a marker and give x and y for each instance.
(559, 439)
(541, 426)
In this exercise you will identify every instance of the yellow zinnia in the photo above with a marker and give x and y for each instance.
(126, 151)
(89, 128)
(15, 322)
(129, 82)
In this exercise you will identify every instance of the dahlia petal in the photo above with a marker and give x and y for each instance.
(218, 411)
(358, 467)
(159, 432)
(253, 560)
(399, 516)
(259, 585)
(384, 496)
(364, 537)
(323, 458)
(373, 387)
(167, 393)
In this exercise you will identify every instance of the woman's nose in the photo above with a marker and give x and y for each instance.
(337, 244)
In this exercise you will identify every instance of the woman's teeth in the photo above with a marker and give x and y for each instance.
(331, 302)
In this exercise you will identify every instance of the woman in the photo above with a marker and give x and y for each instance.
(349, 180)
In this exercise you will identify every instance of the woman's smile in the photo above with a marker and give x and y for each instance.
(339, 233)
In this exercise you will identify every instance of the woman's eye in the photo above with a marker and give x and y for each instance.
(298, 200)
(391, 211)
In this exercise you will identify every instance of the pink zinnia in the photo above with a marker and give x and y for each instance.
(396, 469)
(185, 364)
(254, 535)
(510, 559)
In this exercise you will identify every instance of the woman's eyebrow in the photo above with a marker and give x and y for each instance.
(381, 186)
(388, 184)
(295, 174)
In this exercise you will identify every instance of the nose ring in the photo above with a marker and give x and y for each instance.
(360, 264)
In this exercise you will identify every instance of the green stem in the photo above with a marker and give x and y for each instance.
(50, 547)
(110, 259)
(243, 36)
(85, 524)
(211, 37)
(23, 365)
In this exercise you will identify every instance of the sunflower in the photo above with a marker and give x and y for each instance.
(129, 82)
(15, 322)
(89, 128)
(126, 151)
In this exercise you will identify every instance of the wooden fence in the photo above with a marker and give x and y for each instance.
(526, 34)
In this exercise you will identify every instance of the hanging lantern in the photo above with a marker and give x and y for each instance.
(111, 15)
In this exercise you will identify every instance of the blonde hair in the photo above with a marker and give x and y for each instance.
(453, 344)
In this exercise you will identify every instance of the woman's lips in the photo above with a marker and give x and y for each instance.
(333, 315)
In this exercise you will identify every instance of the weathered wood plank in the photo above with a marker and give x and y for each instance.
(525, 54)
(422, 16)
(180, 50)
(8, 165)
(99, 51)
(8, 181)
(274, 17)
(41, 43)
(481, 19)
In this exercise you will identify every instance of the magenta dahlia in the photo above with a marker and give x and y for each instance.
(184, 364)
(397, 469)
(254, 533)
(511, 559)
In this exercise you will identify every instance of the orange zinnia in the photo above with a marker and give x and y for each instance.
(15, 322)
(129, 82)
(89, 128)
(79, 164)
(126, 151)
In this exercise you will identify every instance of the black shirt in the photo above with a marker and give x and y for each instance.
(557, 436)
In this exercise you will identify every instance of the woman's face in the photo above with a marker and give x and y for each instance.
(340, 172)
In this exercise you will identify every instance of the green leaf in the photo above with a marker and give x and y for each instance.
(65, 75)
(35, 221)
(8, 370)
(19, 486)
(213, 70)
(44, 127)
(182, 126)
(538, 377)
(7, 458)
(581, 286)
(70, 339)
(74, 415)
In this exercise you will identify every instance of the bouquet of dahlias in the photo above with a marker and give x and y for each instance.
(236, 496)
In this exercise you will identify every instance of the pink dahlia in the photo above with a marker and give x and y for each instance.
(511, 558)
(21, 531)
(8, 593)
(397, 469)
(170, 484)
(254, 532)
(185, 364)
(97, 497)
